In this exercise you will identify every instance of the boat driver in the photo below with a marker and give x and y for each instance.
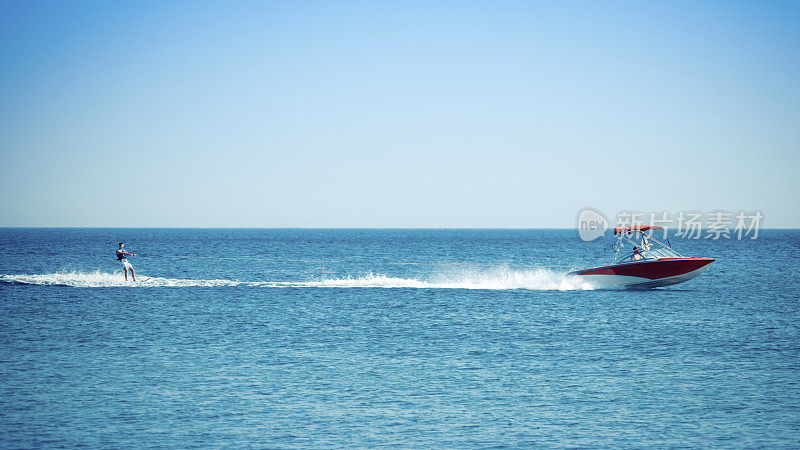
(637, 254)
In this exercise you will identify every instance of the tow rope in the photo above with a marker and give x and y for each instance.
(340, 261)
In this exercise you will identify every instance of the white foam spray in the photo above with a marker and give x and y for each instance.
(104, 279)
(498, 279)
(501, 279)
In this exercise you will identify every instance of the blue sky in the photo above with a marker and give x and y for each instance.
(395, 114)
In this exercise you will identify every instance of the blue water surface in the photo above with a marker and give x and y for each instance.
(408, 338)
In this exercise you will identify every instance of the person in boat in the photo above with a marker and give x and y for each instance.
(122, 257)
(637, 254)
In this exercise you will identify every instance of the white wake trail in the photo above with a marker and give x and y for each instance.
(500, 279)
(104, 279)
(537, 279)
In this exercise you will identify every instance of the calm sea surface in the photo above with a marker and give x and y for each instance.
(409, 338)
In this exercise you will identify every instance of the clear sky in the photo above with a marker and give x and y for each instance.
(395, 114)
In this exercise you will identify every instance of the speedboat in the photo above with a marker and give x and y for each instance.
(647, 262)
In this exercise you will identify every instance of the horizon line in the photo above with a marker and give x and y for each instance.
(319, 228)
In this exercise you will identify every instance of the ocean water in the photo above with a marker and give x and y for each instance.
(403, 338)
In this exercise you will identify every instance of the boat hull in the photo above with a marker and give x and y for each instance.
(646, 274)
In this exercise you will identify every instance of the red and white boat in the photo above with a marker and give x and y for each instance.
(648, 264)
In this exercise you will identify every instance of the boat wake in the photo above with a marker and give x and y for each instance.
(105, 279)
(538, 280)
(501, 279)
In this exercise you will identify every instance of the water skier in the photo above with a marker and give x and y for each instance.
(122, 257)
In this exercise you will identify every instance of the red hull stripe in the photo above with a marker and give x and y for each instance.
(653, 269)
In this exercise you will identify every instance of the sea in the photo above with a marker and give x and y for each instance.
(406, 338)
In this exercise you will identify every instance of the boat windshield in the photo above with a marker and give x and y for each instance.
(637, 245)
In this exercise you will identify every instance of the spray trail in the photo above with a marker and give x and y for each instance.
(501, 279)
